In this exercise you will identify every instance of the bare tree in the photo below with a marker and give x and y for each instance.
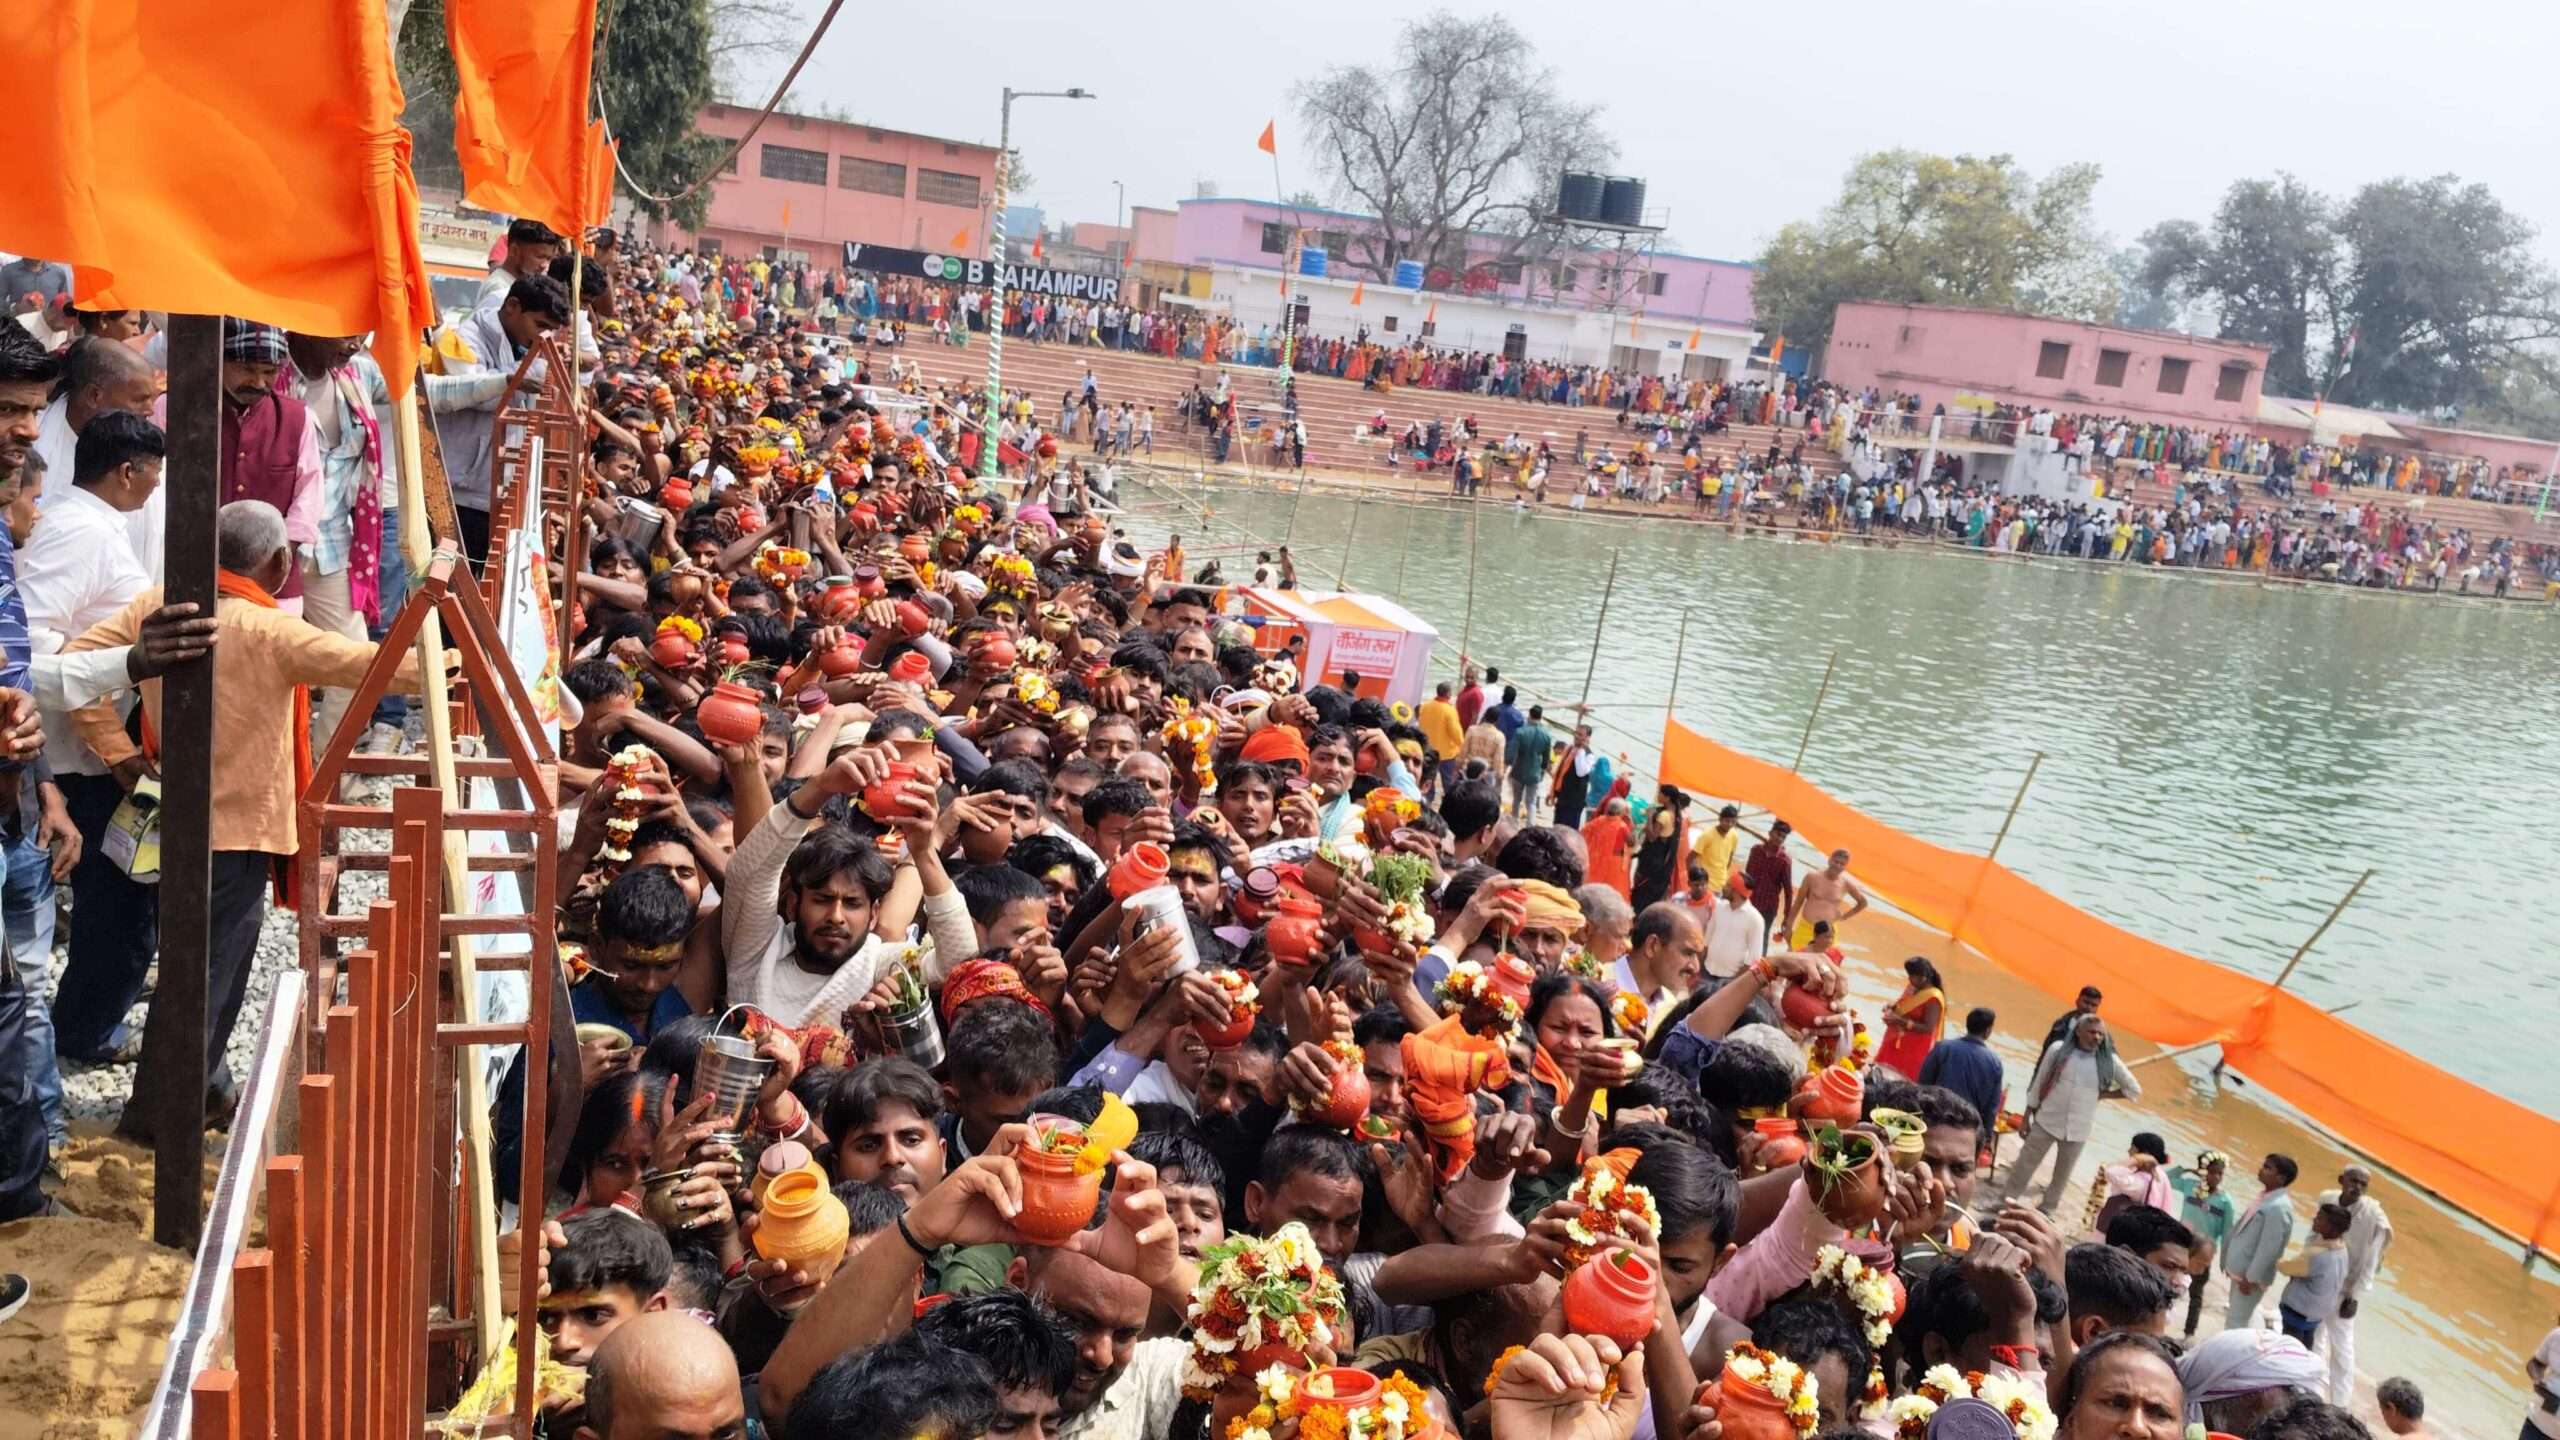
(1464, 136)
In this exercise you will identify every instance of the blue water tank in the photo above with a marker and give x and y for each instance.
(1578, 195)
(1622, 201)
(1311, 261)
(1408, 274)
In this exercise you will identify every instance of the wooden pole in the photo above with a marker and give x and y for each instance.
(2331, 919)
(1467, 627)
(1342, 572)
(2033, 764)
(1815, 713)
(171, 1107)
(1607, 589)
(1679, 652)
(1404, 552)
(2216, 1040)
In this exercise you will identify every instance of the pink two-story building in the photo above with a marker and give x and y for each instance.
(805, 185)
(1966, 358)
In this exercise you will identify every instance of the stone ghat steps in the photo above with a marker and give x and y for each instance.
(1335, 411)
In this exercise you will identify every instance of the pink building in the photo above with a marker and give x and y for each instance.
(804, 185)
(1967, 358)
(1673, 290)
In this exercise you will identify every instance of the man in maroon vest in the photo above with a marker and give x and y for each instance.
(270, 451)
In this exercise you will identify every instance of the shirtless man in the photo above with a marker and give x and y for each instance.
(1823, 896)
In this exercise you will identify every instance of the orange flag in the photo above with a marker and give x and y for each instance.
(522, 74)
(600, 161)
(1358, 289)
(1035, 247)
(1269, 144)
(960, 240)
(1777, 351)
(219, 160)
(1694, 332)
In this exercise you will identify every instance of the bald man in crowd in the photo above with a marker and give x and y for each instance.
(663, 1376)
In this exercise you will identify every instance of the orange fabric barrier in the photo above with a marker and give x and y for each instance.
(523, 69)
(2484, 1154)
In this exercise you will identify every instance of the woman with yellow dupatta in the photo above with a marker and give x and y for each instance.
(1915, 1019)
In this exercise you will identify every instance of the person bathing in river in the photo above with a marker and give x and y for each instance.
(1827, 894)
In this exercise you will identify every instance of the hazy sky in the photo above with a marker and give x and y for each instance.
(1743, 117)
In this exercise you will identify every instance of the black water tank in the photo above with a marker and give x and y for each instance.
(1578, 196)
(1622, 201)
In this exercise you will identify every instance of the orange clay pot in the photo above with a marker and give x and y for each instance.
(804, 1224)
(1836, 1095)
(1056, 1201)
(1746, 1411)
(1611, 1294)
(730, 715)
(1781, 1140)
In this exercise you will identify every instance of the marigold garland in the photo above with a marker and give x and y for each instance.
(1790, 1384)
(1470, 983)
(1608, 1203)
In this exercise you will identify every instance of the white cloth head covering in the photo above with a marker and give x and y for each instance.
(2244, 1362)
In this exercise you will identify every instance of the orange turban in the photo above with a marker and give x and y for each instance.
(1274, 743)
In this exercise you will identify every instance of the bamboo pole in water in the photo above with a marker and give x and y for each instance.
(1797, 764)
(1342, 572)
(1467, 627)
(1679, 652)
(1598, 625)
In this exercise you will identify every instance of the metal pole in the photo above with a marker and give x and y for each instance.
(1680, 652)
(995, 321)
(2033, 764)
(2547, 472)
(1342, 572)
(1593, 669)
(2334, 912)
(1404, 552)
(169, 1086)
(1815, 713)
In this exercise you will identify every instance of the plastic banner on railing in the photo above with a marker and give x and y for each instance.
(2488, 1156)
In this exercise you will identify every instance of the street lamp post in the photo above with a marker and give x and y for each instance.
(995, 256)
(1119, 222)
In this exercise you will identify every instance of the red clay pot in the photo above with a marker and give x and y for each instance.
(911, 669)
(1746, 1411)
(1349, 1100)
(672, 650)
(1611, 1294)
(837, 661)
(1239, 1024)
(887, 799)
(1142, 866)
(731, 714)
(1781, 1140)
(1295, 936)
(1803, 1009)
(913, 619)
(1836, 1095)
(677, 493)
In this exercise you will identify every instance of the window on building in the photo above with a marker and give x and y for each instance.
(783, 162)
(1335, 242)
(707, 244)
(942, 187)
(1655, 282)
(874, 177)
(1566, 278)
(950, 149)
(1391, 325)
(2235, 381)
(2053, 361)
(1430, 328)
(1275, 239)
(2111, 365)
(794, 122)
(2173, 376)
(714, 112)
(1509, 272)
(730, 165)
(875, 137)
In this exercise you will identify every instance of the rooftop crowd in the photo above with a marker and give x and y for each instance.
(1151, 1038)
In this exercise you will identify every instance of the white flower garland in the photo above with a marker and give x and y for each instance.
(1866, 1288)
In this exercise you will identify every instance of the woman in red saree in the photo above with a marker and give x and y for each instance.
(1914, 1019)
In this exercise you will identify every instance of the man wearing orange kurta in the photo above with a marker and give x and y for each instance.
(266, 655)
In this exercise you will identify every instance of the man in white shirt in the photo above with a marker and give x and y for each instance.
(530, 248)
(98, 376)
(2368, 1237)
(494, 337)
(1737, 933)
(78, 568)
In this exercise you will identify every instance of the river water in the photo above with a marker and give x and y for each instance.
(2221, 759)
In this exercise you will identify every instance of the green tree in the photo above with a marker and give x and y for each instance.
(2435, 281)
(2268, 263)
(1915, 228)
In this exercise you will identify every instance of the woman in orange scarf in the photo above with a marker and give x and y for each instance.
(1606, 836)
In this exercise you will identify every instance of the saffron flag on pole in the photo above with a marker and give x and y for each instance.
(960, 240)
(1694, 332)
(219, 160)
(1035, 247)
(1269, 144)
(522, 73)
(1777, 351)
(1358, 289)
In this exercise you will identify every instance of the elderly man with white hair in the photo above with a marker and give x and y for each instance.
(265, 654)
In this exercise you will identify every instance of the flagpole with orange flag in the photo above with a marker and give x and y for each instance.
(292, 204)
